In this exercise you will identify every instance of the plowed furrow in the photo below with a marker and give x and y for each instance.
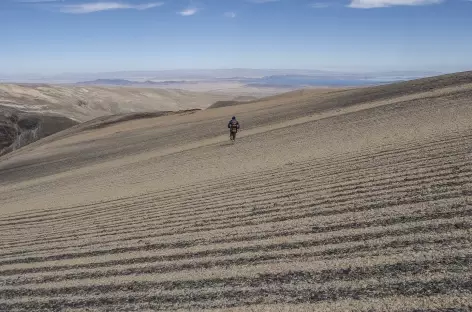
(355, 173)
(303, 211)
(351, 208)
(455, 264)
(456, 178)
(318, 212)
(304, 292)
(158, 263)
(392, 217)
(403, 229)
(334, 252)
(206, 243)
(179, 209)
(335, 161)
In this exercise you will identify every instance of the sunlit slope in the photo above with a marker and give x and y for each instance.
(83, 103)
(323, 204)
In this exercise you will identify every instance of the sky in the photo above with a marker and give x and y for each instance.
(51, 37)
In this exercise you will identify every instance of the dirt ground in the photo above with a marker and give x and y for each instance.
(330, 200)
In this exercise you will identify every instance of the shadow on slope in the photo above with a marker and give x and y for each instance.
(227, 103)
(105, 121)
(18, 129)
(236, 101)
(97, 123)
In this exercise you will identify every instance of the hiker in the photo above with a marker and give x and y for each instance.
(233, 126)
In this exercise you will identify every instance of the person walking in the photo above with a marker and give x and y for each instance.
(233, 126)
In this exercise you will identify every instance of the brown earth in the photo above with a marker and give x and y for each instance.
(347, 200)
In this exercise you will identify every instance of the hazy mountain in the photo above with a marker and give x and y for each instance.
(124, 82)
(113, 82)
(208, 74)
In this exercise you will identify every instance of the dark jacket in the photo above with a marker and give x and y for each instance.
(233, 125)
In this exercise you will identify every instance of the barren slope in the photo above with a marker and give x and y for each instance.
(355, 200)
(83, 103)
(52, 108)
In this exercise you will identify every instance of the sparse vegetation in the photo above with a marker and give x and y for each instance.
(82, 103)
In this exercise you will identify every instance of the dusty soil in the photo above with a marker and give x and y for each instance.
(351, 200)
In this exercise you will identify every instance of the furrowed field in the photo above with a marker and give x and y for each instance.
(348, 200)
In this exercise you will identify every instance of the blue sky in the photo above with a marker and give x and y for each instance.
(48, 37)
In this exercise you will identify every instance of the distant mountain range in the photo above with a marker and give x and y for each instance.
(235, 74)
(109, 82)
(124, 82)
(273, 81)
(291, 81)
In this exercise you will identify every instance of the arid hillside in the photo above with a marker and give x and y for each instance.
(339, 200)
(83, 103)
(47, 109)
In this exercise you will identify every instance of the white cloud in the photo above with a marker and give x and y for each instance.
(230, 14)
(188, 12)
(104, 6)
(369, 4)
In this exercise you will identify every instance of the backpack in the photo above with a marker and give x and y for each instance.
(233, 126)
